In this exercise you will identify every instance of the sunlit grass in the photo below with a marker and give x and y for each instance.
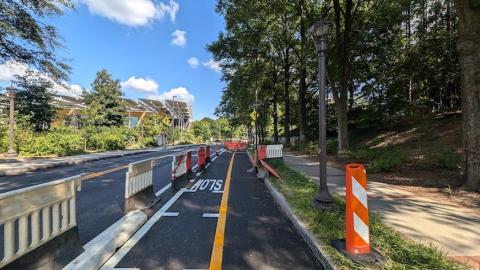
(399, 252)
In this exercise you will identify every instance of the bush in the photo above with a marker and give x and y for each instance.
(114, 138)
(59, 141)
(387, 161)
(443, 158)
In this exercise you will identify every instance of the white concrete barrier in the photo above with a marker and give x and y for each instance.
(139, 186)
(50, 208)
(275, 151)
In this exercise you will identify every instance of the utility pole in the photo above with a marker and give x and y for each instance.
(11, 95)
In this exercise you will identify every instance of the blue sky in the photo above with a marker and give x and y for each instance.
(155, 48)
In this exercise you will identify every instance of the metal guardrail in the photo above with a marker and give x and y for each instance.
(34, 215)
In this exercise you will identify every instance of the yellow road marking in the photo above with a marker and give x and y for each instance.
(97, 174)
(217, 251)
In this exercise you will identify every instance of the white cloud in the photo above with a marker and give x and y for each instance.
(132, 12)
(140, 84)
(179, 38)
(193, 62)
(214, 65)
(180, 93)
(10, 69)
(170, 9)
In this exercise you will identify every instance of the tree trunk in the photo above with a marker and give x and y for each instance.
(469, 56)
(302, 91)
(286, 99)
(275, 116)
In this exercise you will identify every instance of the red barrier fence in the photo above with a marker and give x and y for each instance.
(181, 165)
(236, 145)
(262, 152)
(202, 158)
(356, 221)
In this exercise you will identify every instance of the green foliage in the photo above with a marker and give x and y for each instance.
(60, 141)
(443, 158)
(114, 138)
(34, 100)
(400, 252)
(105, 105)
(27, 37)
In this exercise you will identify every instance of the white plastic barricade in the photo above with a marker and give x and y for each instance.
(34, 215)
(139, 193)
(275, 151)
(181, 166)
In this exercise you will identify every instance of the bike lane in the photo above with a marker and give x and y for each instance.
(226, 220)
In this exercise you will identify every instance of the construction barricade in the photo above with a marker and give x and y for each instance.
(236, 145)
(270, 151)
(181, 166)
(201, 158)
(207, 154)
(139, 193)
(34, 216)
(356, 221)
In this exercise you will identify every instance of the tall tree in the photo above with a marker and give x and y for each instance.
(105, 104)
(26, 37)
(468, 12)
(33, 100)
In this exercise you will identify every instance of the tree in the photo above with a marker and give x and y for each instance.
(469, 51)
(105, 106)
(203, 129)
(27, 38)
(33, 100)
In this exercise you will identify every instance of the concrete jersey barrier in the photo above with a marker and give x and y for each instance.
(51, 208)
(139, 193)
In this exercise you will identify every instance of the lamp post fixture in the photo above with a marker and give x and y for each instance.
(11, 95)
(319, 31)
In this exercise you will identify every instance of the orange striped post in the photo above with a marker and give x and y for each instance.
(357, 230)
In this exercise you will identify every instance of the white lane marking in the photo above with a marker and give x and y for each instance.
(210, 215)
(170, 214)
(165, 188)
(218, 191)
(118, 256)
(213, 159)
(194, 167)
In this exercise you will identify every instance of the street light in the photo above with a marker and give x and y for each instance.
(11, 95)
(319, 31)
(175, 117)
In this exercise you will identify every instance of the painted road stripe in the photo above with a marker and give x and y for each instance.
(217, 251)
(170, 214)
(165, 188)
(217, 191)
(118, 256)
(210, 215)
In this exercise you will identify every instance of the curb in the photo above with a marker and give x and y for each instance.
(312, 242)
(102, 247)
(20, 171)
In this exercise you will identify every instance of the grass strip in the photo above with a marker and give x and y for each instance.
(400, 252)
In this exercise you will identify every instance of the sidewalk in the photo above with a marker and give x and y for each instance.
(19, 166)
(452, 227)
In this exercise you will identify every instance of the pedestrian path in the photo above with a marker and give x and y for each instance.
(454, 228)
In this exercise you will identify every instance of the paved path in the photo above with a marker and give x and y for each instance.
(454, 228)
(225, 219)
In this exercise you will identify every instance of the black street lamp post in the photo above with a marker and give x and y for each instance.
(319, 31)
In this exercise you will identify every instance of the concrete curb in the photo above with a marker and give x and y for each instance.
(54, 164)
(102, 247)
(312, 242)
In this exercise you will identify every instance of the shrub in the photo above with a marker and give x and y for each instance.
(386, 161)
(114, 138)
(443, 158)
(58, 141)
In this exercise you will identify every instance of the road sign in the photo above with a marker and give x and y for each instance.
(166, 121)
(253, 115)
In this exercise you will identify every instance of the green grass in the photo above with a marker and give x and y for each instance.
(400, 252)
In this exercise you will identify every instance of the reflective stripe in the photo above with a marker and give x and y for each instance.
(361, 228)
(359, 192)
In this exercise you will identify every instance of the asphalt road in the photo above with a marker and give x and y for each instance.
(226, 219)
(101, 201)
